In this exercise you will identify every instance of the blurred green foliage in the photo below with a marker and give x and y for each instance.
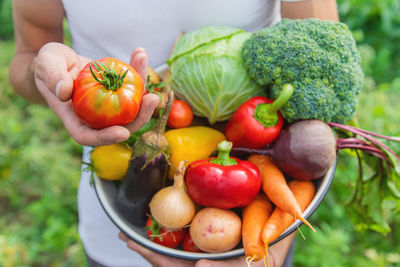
(376, 26)
(7, 28)
(39, 162)
(39, 175)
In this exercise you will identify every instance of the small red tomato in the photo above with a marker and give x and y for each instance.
(181, 115)
(188, 245)
(107, 92)
(165, 237)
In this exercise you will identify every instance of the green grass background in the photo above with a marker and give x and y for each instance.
(39, 162)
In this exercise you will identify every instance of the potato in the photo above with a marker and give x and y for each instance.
(216, 230)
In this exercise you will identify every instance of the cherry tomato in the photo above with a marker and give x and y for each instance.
(188, 245)
(111, 162)
(107, 92)
(181, 115)
(165, 237)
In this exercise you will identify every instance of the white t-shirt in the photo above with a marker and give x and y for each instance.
(103, 28)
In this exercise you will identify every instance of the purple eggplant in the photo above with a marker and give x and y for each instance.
(147, 172)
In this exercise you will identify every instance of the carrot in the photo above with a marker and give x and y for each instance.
(275, 187)
(255, 216)
(280, 220)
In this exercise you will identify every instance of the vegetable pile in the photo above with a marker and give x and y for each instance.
(250, 176)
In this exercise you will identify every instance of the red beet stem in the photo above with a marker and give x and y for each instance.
(245, 150)
(369, 149)
(365, 135)
(390, 138)
(351, 140)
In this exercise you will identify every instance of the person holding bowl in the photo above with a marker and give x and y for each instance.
(43, 70)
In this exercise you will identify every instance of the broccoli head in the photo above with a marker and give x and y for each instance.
(319, 58)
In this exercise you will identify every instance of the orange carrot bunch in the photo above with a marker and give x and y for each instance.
(261, 225)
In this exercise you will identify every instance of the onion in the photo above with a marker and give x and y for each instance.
(171, 206)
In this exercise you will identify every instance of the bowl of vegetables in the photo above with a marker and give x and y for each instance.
(107, 192)
(281, 155)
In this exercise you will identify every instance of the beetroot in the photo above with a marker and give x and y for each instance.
(306, 149)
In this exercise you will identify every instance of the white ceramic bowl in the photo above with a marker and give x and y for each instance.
(107, 193)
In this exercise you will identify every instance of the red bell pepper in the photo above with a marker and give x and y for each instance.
(257, 122)
(223, 182)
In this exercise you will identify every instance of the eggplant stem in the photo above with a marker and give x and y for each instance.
(162, 122)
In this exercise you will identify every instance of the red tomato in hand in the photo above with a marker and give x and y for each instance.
(107, 92)
(165, 237)
(181, 115)
(188, 245)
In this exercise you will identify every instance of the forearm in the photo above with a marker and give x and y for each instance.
(36, 23)
(322, 9)
(22, 78)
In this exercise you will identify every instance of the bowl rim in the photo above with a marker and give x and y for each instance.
(124, 227)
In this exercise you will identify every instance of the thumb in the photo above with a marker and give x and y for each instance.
(63, 87)
(56, 65)
(140, 62)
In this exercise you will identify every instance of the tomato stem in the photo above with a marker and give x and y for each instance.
(108, 77)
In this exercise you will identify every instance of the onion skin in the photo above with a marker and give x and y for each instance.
(305, 150)
(171, 206)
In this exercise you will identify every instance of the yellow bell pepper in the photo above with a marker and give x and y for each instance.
(111, 162)
(191, 143)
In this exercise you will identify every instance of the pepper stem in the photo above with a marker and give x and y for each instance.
(266, 114)
(223, 158)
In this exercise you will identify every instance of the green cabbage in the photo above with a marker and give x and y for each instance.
(207, 72)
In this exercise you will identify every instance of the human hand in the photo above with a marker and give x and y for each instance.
(54, 70)
(277, 254)
(157, 260)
